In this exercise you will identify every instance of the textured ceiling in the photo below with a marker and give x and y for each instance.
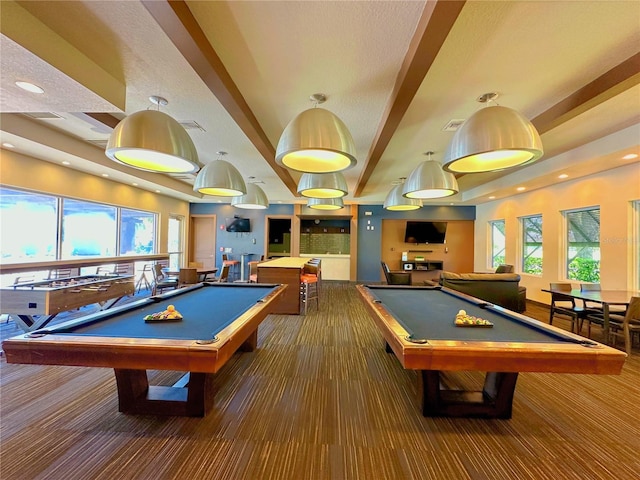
(395, 72)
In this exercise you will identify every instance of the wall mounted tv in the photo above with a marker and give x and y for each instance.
(238, 225)
(425, 232)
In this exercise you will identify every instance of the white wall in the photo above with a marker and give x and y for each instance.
(612, 191)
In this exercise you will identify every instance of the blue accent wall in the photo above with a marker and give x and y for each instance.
(240, 242)
(369, 242)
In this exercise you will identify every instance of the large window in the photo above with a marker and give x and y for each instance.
(28, 226)
(497, 243)
(635, 241)
(88, 229)
(37, 227)
(532, 245)
(137, 232)
(583, 245)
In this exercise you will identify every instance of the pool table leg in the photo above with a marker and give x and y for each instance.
(494, 401)
(137, 397)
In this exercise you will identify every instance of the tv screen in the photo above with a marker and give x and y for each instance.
(425, 232)
(239, 225)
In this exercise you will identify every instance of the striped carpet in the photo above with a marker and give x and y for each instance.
(318, 399)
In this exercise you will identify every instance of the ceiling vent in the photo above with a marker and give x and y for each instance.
(43, 115)
(453, 125)
(192, 125)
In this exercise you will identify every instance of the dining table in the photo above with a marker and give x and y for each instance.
(201, 273)
(606, 298)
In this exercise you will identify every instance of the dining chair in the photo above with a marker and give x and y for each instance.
(161, 281)
(625, 325)
(565, 305)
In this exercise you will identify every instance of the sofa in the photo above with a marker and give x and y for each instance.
(498, 288)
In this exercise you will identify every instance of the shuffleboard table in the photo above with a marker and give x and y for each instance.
(418, 324)
(218, 319)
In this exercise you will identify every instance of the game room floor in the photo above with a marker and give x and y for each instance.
(318, 399)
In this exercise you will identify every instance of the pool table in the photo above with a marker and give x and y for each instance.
(417, 324)
(218, 319)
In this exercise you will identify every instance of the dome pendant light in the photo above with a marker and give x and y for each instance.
(325, 203)
(428, 180)
(254, 199)
(221, 179)
(153, 141)
(396, 202)
(316, 141)
(493, 138)
(322, 185)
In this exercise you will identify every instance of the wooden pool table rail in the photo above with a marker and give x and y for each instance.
(132, 357)
(502, 360)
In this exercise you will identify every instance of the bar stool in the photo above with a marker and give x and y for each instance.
(309, 285)
(233, 266)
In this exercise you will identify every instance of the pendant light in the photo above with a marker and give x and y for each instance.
(325, 203)
(396, 202)
(254, 199)
(220, 178)
(493, 138)
(153, 141)
(316, 141)
(322, 185)
(429, 180)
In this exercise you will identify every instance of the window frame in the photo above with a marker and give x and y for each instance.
(492, 264)
(523, 244)
(565, 257)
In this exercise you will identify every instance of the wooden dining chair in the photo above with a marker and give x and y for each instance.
(565, 305)
(625, 326)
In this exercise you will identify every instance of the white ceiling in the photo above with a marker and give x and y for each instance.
(396, 72)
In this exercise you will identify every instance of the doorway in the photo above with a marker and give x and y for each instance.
(203, 229)
(278, 237)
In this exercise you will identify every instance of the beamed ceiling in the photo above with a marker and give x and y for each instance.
(396, 72)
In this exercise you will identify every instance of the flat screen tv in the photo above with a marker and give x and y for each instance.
(239, 225)
(425, 232)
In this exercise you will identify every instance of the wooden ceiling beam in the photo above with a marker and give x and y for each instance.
(432, 30)
(606, 86)
(179, 24)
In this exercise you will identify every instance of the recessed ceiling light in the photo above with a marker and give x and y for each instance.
(520, 189)
(105, 175)
(66, 163)
(564, 175)
(492, 197)
(30, 87)
(8, 145)
(630, 156)
(157, 191)
(134, 184)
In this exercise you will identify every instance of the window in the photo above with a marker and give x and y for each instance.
(174, 247)
(28, 226)
(82, 229)
(583, 245)
(635, 241)
(497, 243)
(532, 245)
(88, 229)
(137, 232)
